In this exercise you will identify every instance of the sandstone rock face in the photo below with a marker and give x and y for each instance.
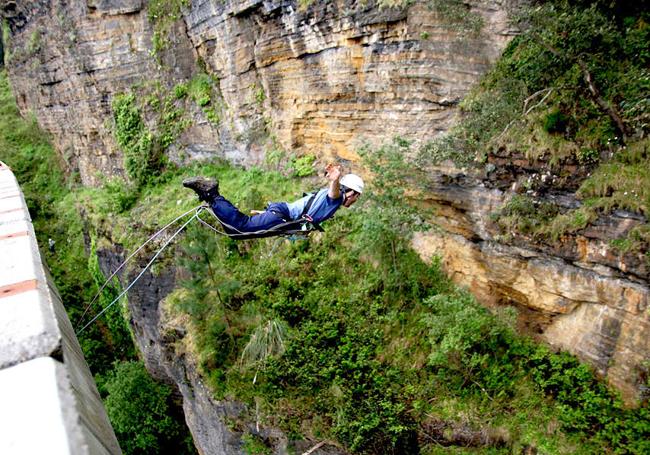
(576, 295)
(337, 74)
(68, 59)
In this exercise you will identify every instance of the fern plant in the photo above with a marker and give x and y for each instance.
(267, 340)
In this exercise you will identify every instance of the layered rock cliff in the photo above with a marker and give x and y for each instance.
(578, 294)
(319, 79)
(323, 79)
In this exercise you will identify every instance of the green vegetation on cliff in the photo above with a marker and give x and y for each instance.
(570, 97)
(347, 337)
(141, 160)
(163, 14)
(149, 118)
(355, 339)
(140, 413)
(574, 84)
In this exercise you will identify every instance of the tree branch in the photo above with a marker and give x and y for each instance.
(531, 97)
(527, 111)
(604, 105)
(593, 90)
(313, 449)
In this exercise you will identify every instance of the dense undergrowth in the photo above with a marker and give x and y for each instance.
(351, 337)
(570, 92)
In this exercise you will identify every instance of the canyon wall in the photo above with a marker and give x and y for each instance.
(165, 342)
(321, 79)
(578, 293)
(67, 60)
(324, 79)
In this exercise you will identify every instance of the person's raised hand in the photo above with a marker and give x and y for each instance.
(333, 172)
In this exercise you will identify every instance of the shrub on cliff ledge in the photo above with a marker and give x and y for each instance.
(585, 60)
(163, 14)
(142, 159)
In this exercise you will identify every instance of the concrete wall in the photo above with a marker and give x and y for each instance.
(49, 403)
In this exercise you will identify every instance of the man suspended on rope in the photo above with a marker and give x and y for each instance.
(280, 218)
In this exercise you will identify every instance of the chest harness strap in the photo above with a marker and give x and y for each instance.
(302, 225)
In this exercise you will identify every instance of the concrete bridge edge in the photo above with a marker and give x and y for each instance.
(49, 400)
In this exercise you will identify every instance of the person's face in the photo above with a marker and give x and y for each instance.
(351, 197)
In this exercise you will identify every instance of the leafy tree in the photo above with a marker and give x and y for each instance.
(139, 409)
(389, 219)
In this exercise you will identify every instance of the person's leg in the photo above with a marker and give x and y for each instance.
(236, 222)
(228, 214)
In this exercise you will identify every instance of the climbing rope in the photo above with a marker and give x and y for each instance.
(197, 211)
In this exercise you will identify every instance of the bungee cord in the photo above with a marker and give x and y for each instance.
(197, 211)
(81, 319)
(141, 273)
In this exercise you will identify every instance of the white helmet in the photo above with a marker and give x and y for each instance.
(353, 182)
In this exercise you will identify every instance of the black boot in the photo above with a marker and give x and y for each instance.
(206, 189)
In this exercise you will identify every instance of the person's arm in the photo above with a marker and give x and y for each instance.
(333, 173)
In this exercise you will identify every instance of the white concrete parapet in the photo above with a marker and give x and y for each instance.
(49, 402)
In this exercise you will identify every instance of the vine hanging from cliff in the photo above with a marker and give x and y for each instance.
(162, 14)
